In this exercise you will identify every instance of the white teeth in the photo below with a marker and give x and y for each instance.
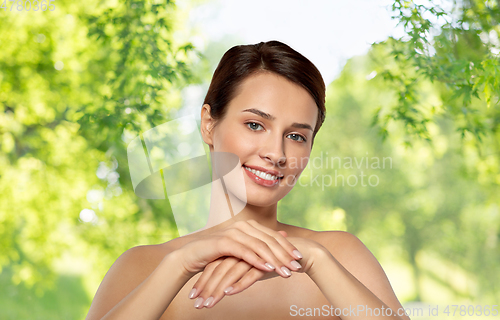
(263, 175)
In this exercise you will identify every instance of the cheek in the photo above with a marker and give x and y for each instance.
(234, 140)
(298, 161)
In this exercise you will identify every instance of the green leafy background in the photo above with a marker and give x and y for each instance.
(77, 83)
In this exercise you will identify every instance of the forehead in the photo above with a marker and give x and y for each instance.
(276, 95)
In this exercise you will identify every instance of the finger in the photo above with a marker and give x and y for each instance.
(271, 251)
(280, 246)
(227, 246)
(280, 238)
(214, 290)
(209, 270)
(270, 236)
(217, 275)
(245, 282)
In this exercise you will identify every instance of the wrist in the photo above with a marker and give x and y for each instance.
(173, 261)
(320, 256)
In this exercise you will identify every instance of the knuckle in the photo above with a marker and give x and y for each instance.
(262, 246)
(276, 234)
(272, 239)
(242, 224)
(239, 223)
(233, 232)
(249, 255)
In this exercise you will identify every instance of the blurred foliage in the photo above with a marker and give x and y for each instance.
(443, 77)
(67, 300)
(454, 44)
(78, 83)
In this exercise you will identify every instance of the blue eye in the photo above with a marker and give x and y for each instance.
(253, 126)
(297, 137)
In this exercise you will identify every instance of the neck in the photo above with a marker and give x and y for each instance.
(226, 208)
(266, 216)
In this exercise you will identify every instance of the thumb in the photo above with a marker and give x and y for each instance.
(283, 233)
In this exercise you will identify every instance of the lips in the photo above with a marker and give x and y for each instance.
(270, 171)
(255, 176)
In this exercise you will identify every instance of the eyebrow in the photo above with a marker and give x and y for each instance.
(270, 117)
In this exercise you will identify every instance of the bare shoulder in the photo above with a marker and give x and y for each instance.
(358, 260)
(329, 239)
(337, 242)
(294, 231)
(138, 262)
(129, 270)
(342, 244)
(352, 254)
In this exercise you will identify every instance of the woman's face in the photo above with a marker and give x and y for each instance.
(269, 125)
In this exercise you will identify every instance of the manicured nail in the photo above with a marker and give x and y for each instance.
(198, 302)
(208, 301)
(228, 289)
(270, 266)
(297, 254)
(192, 293)
(286, 271)
(296, 264)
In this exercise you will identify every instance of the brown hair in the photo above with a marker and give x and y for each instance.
(241, 61)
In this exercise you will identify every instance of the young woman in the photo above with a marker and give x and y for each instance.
(265, 105)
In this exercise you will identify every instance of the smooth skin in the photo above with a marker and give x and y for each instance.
(133, 290)
(156, 281)
(320, 265)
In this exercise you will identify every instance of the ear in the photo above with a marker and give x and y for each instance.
(206, 124)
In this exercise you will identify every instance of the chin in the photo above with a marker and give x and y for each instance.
(259, 198)
(261, 203)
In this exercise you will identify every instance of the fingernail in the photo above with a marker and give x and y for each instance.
(228, 289)
(198, 302)
(296, 264)
(286, 271)
(297, 254)
(270, 266)
(192, 293)
(208, 301)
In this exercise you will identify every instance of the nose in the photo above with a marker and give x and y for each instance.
(273, 151)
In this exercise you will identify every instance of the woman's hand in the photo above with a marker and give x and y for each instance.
(228, 276)
(218, 277)
(224, 272)
(244, 241)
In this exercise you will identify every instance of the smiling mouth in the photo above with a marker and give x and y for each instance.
(263, 175)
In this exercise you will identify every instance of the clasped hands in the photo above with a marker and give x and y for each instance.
(228, 275)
